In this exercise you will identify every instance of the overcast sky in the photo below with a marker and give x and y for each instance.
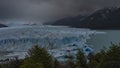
(47, 10)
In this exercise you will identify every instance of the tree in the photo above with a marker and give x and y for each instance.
(29, 63)
(111, 58)
(56, 64)
(70, 64)
(96, 59)
(12, 63)
(0, 66)
(92, 62)
(81, 60)
(38, 58)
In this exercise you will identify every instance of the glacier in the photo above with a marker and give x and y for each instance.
(60, 41)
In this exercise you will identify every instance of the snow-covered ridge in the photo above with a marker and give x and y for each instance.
(57, 40)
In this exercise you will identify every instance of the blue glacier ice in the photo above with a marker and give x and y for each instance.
(58, 40)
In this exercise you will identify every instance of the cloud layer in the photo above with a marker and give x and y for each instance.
(48, 10)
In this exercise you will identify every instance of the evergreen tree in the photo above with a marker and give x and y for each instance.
(38, 58)
(111, 58)
(0, 66)
(81, 60)
(92, 62)
(56, 64)
(70, 64)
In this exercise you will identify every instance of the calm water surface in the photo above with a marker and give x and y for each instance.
(100, 41)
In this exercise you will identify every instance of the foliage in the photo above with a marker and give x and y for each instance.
(111, 58)
(56, 64)
(38, 58)
(12, 64)
(81, 60)
(104, 59)
(28, 63)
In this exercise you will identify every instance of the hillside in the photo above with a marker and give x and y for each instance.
(2, 25)
(107, 18)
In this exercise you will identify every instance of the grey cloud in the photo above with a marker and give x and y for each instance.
(48, 10)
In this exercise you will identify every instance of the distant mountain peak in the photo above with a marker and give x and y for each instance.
(106, 18)
(2, 25)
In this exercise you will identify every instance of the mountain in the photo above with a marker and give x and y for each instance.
(2, 25)
(107, 18)
(70, 21)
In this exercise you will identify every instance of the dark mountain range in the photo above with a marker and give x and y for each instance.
(107, 18)
(68, 21)
(2, 25)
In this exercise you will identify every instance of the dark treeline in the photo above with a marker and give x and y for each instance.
(39, 58)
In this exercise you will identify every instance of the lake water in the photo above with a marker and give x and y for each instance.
(99, 41)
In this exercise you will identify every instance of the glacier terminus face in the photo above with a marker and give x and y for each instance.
(58, 40)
